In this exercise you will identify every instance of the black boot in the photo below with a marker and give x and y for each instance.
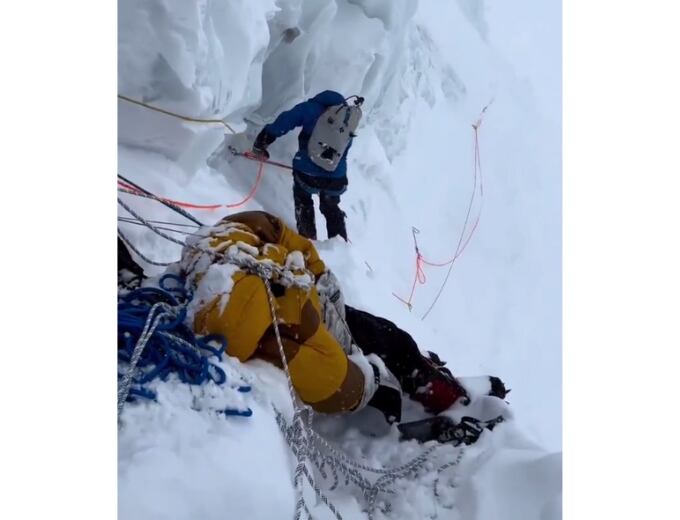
(304, 212)
(335, 217)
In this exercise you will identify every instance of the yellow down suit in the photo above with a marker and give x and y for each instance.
(231, 301)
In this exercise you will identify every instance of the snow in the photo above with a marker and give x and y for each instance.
(426, 70)
(295, 260)
(177, 462)
(216, 281)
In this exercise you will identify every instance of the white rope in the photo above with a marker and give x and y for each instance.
(307, 445)
(244, 261)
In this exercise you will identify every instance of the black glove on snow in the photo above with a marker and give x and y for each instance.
(498, 388)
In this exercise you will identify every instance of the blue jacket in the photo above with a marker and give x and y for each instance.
(305, 115)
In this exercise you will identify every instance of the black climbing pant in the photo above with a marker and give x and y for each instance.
(329, 191)
(396, 347)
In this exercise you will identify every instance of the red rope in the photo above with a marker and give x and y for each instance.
(128, 187)
(462, 241)
(252, 192)
(419, 278)
(250, 195)
(478, 173)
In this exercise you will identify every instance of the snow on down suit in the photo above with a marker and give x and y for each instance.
(230, 301)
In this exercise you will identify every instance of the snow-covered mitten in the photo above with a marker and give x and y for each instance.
(328, 287)
(333, 309)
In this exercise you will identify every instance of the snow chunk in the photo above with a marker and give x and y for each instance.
(295, 260)
(217, 280)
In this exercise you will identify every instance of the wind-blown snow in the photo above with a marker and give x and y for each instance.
(426, 70)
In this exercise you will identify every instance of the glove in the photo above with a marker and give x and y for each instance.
(260, 153)
(484, 385)
(262, 141)
(328, 286)
(498, 388)
(333, 310)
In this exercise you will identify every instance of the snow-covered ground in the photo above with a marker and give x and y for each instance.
(426, 70)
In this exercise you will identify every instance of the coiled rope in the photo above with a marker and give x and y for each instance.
(154, 342)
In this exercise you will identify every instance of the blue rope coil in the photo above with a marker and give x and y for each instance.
(173, 346)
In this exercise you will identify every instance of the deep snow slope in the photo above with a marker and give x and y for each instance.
(426, 69)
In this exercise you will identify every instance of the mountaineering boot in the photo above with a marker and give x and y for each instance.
(441, 392)
(304, 212)
(305, 222)
(433, 386)
(335, 217)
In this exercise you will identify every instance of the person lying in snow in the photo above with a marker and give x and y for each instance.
(340, 359)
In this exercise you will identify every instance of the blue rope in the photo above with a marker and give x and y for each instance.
(173, 347)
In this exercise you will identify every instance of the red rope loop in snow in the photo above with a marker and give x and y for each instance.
(418, 278)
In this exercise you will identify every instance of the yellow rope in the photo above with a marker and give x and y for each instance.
(173, 114)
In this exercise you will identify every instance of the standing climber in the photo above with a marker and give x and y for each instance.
(320, 165)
